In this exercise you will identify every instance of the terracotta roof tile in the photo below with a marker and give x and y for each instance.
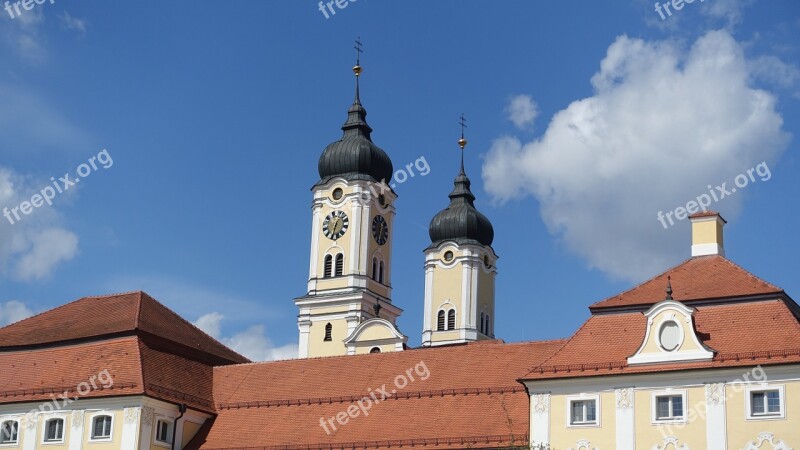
(698, 278)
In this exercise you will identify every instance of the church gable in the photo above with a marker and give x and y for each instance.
(375, 336)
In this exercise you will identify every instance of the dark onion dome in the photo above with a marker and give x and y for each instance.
(461, 222)
(355, 156)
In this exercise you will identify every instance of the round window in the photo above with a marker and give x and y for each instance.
(670, 336)
(337, 193)
(448, 256)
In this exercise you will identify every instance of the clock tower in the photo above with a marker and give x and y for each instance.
(348, 307)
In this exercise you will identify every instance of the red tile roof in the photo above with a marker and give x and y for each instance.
(740, 334)
(475, 384)
(95, 317)
(698, 278)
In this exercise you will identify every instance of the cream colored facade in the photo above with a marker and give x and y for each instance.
(459, 279)
(337, 303)
(134, 421)
(716, 411)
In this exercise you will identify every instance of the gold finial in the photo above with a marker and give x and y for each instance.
(357, 68)
(463, 122)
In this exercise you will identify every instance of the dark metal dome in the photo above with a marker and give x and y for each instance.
(461, 222)
(355, 156)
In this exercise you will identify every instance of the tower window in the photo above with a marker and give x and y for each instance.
(482, 328)
(375, 269)
(451, 319)
(488, 329)
(339, 265)
(380, 272)
(328, 266)
(328, 332)
(440, 322)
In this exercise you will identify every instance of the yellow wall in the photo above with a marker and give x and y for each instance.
(707, 232)
(691, 433)
(563, 436)
(741, 430)
(116, 434)
(189, 430)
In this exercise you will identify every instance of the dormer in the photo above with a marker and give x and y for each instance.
(670, 336)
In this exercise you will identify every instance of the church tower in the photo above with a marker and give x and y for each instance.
(348, 307)
(459, 269)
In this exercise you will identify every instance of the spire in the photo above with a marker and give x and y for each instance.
(461, 192)
(356, 124)
(669, 288)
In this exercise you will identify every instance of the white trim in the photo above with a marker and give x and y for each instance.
(49, 418)
(540, 418)
(91, 417)
(625, 425)
(748, 392)
(170, 428)
(716, 417)
(685, 324)
(707, 249)
(654, 395)
(18, 421)
(131, 421)
(583, 398)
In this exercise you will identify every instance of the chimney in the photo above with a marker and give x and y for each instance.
(707, 233)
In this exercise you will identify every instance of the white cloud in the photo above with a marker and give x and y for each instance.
(23, 34)
(730, 11)
(773, 70)
(72, 23)
(522, 111)
(13, 311)
(663, 123)
(33, 247)
(252, 343)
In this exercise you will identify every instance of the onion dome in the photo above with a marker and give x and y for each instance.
(460, 221)
(355, 156)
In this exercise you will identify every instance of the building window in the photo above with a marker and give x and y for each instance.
(488, 327)
(765, 402)
(669, 407)
(583, 410)
(339, 264)
(440, 321)
(328, 266)
(9, 432)
(375, 269)
(482, 328)
(164, 431)
(375, 350)
(101, 427)
(54, 430)
(328, 332)
(380, 272)
(451, 319)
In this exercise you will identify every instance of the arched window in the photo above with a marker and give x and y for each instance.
(482, 329)
(54, 430)
(488, 326)
(9, 432)
(375, 269)
(440, 322)
(339, 264)
(380, 273)
(328, 266)
(328, 332)
(451, 319)
(101, 427)
(375, 350)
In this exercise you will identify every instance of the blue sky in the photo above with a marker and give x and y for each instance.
(585, 120)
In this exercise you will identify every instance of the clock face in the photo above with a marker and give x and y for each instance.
(335, 225)
(380, 230)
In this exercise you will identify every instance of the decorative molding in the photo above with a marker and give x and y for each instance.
(132, 415)
(540, 403)
(583, 444)
(77, 418)
(147, 416)
(715, 393)
(670, 440)
(766, 437)
(31, 420)
(624, 398)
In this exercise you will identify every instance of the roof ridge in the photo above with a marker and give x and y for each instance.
(566, 342)
(620, 294)
(752, 275)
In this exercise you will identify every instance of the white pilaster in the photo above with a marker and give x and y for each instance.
(130, 428)
(30, 437)
(76, 434)
(147, 415)
(716, 432)
(305, 330)
(626, 431)
(540, 419)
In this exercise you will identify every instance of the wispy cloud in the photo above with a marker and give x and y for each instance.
(252, 342)
(68, 22)
(13, 311)
(522, 111)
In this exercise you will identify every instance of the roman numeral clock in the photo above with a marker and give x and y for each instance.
(335, 225)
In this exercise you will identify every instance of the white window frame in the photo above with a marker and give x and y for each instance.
(748, 411)
(46, 420)
(19, 431)
(668, 393)
(171, 424)
(580, 398)
(91, 426)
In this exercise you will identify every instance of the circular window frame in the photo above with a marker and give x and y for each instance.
(681, 336)
(448, 256)
(337, 194)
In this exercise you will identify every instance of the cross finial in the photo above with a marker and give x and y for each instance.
(669, 288)
(463, 122)
(359, 50)
(462, 142)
